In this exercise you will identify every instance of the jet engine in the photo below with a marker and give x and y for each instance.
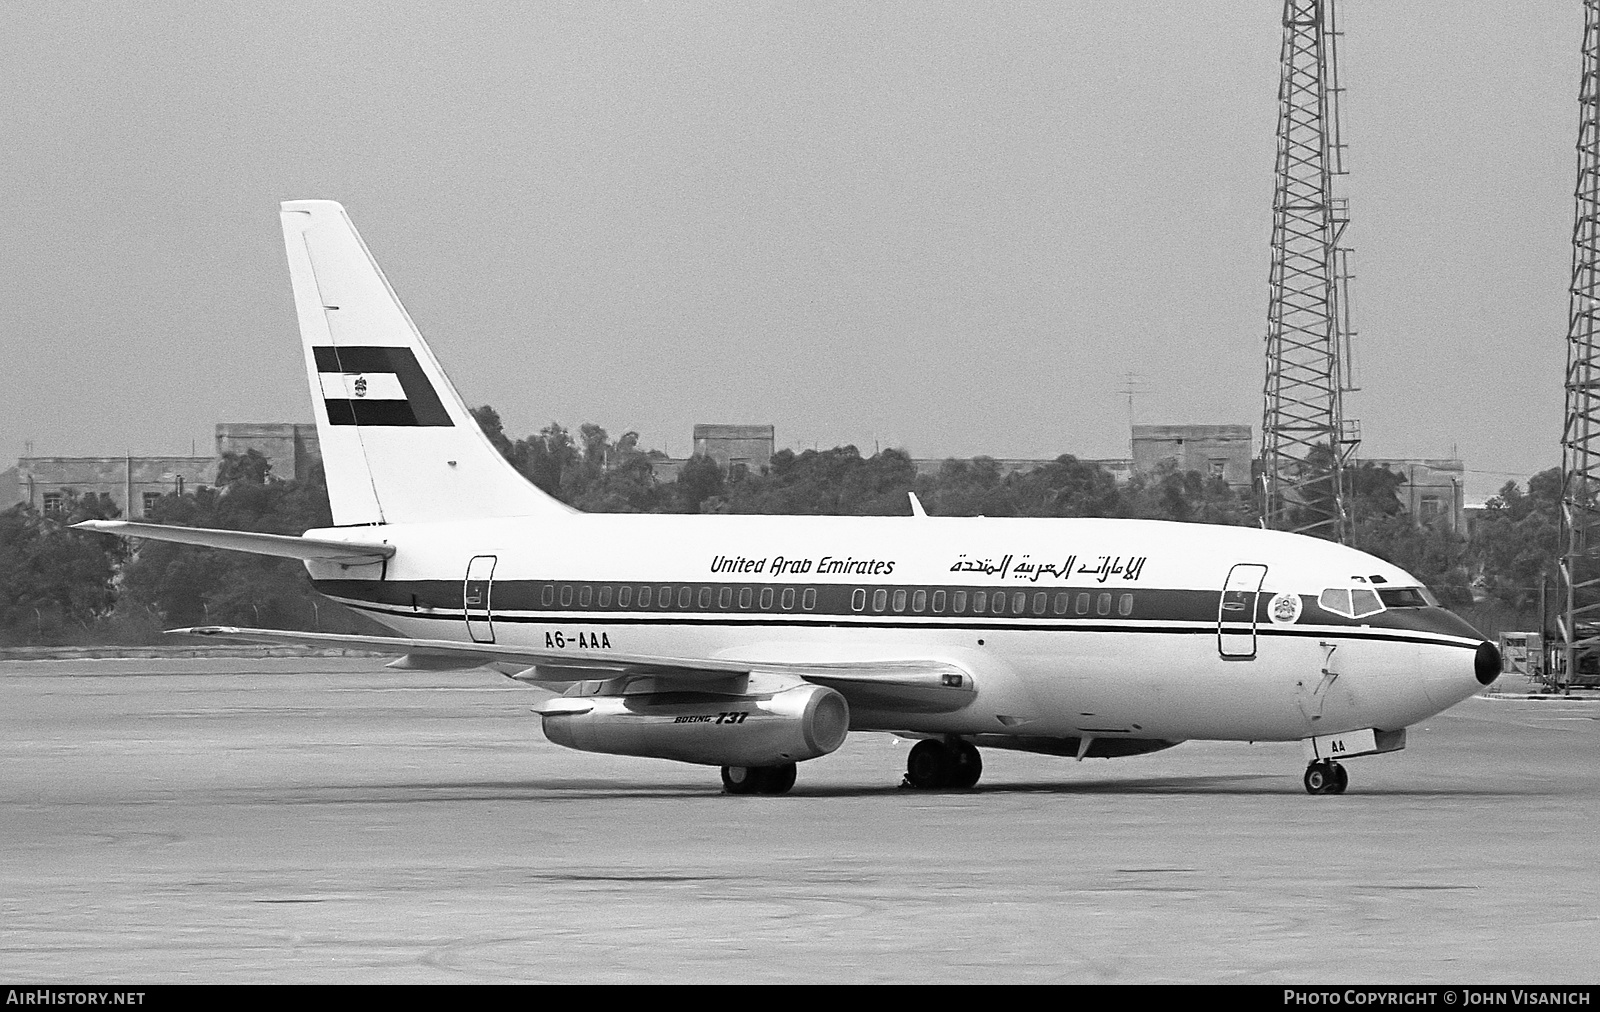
(712, 729)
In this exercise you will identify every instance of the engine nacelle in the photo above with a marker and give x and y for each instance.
(793, 725)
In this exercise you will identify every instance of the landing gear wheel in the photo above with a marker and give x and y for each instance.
(967, 766)
(933, 764)
(778, 779)
(758, 779)
(928, 766)
(1326, 777)
(742, 779)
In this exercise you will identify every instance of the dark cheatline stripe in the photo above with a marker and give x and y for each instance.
(1155, 610)
(421, 406)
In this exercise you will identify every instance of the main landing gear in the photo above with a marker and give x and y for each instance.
(1326, 777)
(934, 764)
(758, 779)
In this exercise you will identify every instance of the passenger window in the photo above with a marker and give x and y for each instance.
(1039, 600)
(1063, 599)
(705, 597)
(585, 595)
(938, 602)
(724, 598)
(605, 595)
(624, 596)
(858, 599)
(1125, 605)
(644, 597)
(919, 601)
(747, 597)
(999, 602)
(808, 598)
(1082, 604)
(980, 602)
(786, 602)
(958, 601)
(880, 600)
(664, 598)
(766, 598)
(1102, 604)
(547, 597)
(1019, 603)
(566, 595)
(685, 594)
(899, 601)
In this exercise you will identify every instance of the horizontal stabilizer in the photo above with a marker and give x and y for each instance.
(282, 545)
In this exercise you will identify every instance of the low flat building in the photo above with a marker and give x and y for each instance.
(131, 484)
(134, 484)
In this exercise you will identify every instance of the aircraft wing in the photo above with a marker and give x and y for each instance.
(282, 545)
(905, 685)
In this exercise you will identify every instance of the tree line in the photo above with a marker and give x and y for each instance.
(63, 586)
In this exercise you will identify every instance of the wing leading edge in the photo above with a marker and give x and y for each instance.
(917, 685)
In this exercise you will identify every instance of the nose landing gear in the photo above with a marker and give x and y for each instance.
(1326, 777)
(934, 764)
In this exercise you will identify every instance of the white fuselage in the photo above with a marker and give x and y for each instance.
(1117, 634)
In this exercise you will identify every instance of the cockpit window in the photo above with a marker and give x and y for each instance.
(1351, 602)
(1407, 597)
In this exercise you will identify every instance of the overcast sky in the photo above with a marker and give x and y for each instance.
(952, 228)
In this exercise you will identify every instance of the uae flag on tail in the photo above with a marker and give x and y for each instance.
(377, 386)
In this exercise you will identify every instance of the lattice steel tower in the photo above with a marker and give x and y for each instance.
(1306, 442)
(1580, 438)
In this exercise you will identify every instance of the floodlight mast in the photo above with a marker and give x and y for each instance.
(1580, 438)
(1306, 442)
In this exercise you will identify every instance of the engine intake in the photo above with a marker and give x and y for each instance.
(711, 729)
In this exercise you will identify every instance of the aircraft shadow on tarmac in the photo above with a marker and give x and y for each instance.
(1257, 784)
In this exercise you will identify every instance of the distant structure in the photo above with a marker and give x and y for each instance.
(135, 484)
(1216, 451)
(1434, 490)
(1306, 442)
(1577, 631)
(291, 446)
(738, 449)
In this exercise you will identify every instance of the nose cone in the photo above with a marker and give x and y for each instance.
(1487, 664)
(1457, 675)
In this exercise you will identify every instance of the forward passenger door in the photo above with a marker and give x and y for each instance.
(1236, 613)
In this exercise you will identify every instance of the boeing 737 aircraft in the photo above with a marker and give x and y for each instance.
(757, 642)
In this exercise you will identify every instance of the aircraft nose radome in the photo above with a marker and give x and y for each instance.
(1487, 663)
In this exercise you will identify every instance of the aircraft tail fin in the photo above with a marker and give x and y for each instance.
(398, 444)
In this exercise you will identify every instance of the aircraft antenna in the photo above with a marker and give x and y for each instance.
(1307, 443)
(1580, 436)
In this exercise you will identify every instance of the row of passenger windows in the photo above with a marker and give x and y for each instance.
(587, 595)
(881, 600)
(1017, 602)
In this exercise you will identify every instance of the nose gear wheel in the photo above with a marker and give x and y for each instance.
(1326, 777)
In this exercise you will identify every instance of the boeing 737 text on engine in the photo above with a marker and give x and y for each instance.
(757, 642)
